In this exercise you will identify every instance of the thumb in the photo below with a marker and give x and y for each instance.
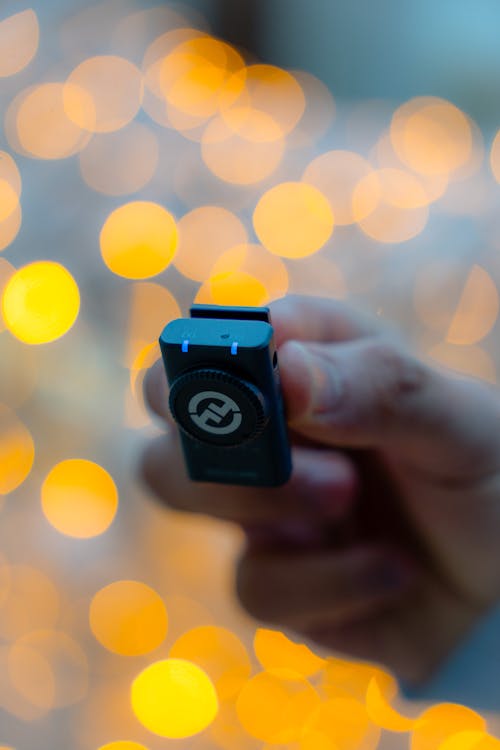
(372, 393)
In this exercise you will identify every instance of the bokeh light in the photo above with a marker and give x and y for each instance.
(103, 93)
(343, 721)
(79, 498)
(150, 308)
(223, 177)
(32, 602)
(19, 36)
(10, 208)
(459, 302)
(14, 702)
(182, 687)
(468, 360)
(135, 30)
(244, 152)
(122, 162)
(336, 174)
(139, 240)
(17, 450)
(220, 653)
(128, 618)
(37, 125)
(159, 50)
(495, 157)
(205, 234)
(275, 651)
(438, 722)
(384, 156)
(382, 713)
(9, 171)
(293, 220)
(48, 668)
(234, 287)
(6, 271)
(318, 115)
(477, 310)
(194, 75)
(227, 732)
(265, 89)
(353, 678)
(95, 726)
(466, 740)
(40, 302)
(9, 229)
(390, 205)
(9, 200)
(273, 705)
(246, 274)
(123, 745)
(431, 135)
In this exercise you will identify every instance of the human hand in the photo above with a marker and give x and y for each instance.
(384, 544)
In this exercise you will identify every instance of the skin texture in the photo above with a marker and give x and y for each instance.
(384, 544)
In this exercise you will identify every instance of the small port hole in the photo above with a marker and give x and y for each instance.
(275, 359)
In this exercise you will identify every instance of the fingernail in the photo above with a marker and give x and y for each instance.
(326, 388)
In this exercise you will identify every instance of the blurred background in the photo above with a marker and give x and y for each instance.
(153, 154)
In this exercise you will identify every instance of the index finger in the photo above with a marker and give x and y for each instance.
(322, 319)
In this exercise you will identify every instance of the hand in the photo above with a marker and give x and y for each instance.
(384, 544)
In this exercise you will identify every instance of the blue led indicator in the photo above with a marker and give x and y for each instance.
(185, 345)
(234, 347)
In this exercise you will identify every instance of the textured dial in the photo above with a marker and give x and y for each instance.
(216, 407)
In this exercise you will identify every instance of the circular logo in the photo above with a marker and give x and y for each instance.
(215, 412)
(217, 408)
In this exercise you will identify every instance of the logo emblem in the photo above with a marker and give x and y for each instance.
(221, 415)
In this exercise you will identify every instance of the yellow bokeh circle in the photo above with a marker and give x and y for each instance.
(174, 698)
(19, 37)
(293, 220)
(37, 124)
(436, 723)
(128, 618)
(431, 135)
(103, 93)
(9, 200)
(40, 302)
(48, 668)
(274, 705)
(79, 498)
(139, 240)
(246, 274)
(9, 229)
(275, 650)
(495, 157)
(220, 653)
(122, 745)
(17, 451)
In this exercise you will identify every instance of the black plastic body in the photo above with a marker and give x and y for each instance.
(211, 333)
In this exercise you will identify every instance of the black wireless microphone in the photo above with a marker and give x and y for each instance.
(225, 395)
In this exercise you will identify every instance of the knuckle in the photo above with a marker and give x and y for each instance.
(399, 378)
